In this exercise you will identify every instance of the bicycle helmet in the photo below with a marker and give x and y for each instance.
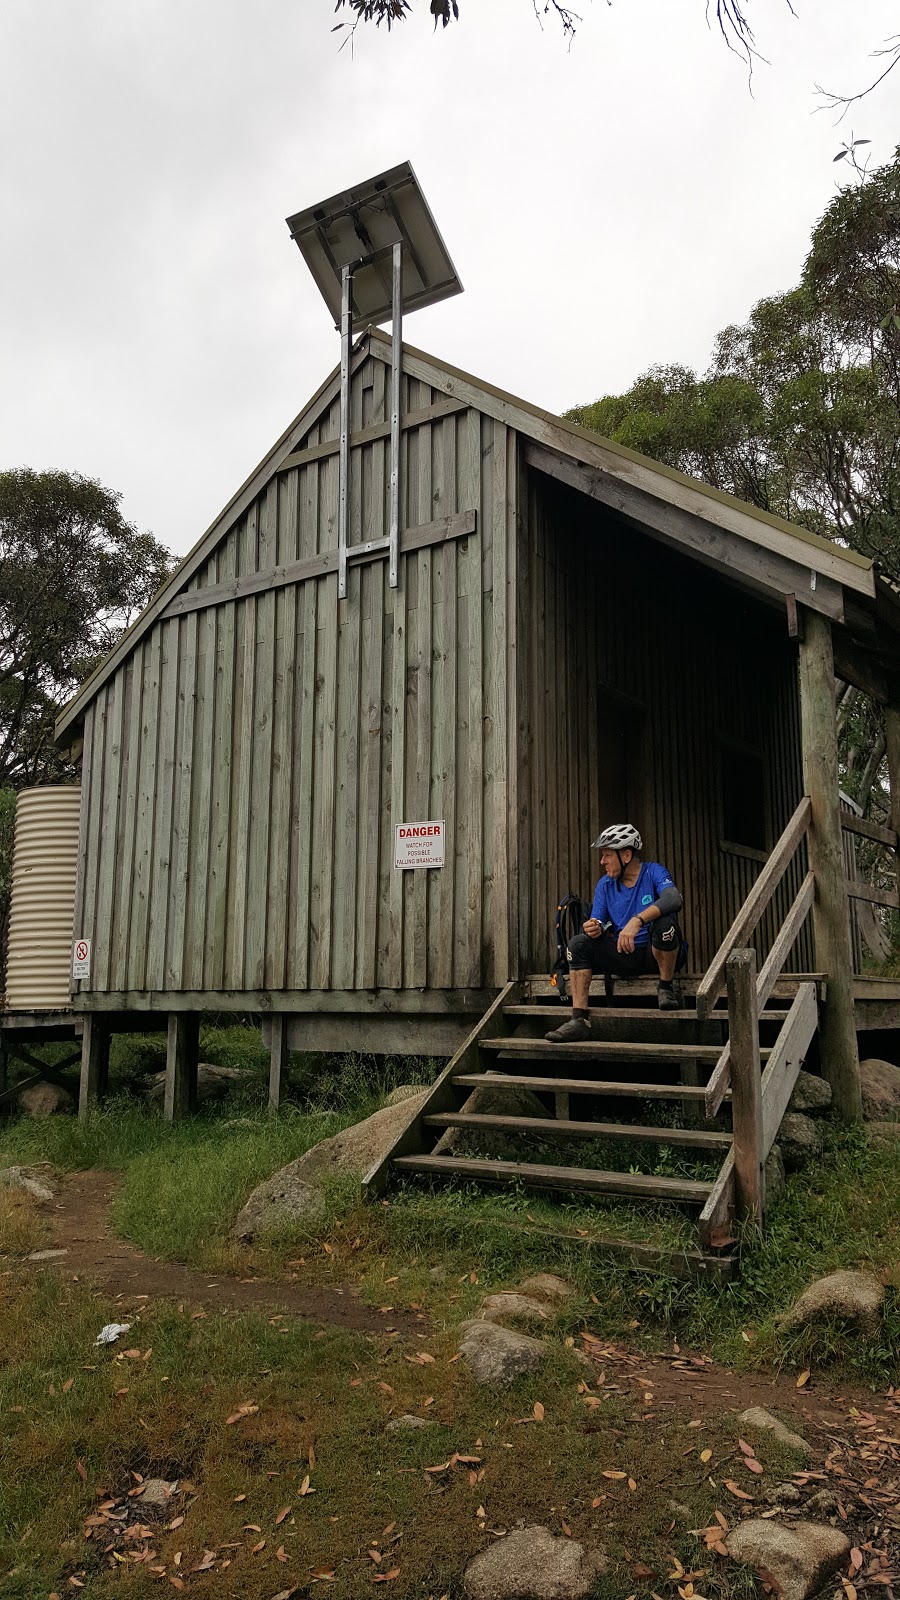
(620, 836)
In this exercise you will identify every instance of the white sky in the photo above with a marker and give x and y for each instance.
(607, 206)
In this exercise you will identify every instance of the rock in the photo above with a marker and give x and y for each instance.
(45, 1100)
(797, 1558)
(294, 1195)
(854, 1297)
(783, 1494)
(437, 1274)
(496, 1356)
(879, 1082)
(492, 1102)
(679, 1509)
(885, 1133)
(799, 1138)
(407, 1421)
(213, 1083)
(775, 1180)
(824, 1503)
(403, 1091)
(810, 1093)
(46, 1255)
(758, 1420)
(547, 1286)
(156, 1493)
(28, 1181)
(532, 1564)
(508, 1305)
(283, 1199)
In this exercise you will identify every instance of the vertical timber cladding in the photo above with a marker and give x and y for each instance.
(634, 657)
(246, 764)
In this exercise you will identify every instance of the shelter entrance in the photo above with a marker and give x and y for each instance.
(620, 782)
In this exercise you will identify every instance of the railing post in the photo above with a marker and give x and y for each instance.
(831, 913)
(746, 1084)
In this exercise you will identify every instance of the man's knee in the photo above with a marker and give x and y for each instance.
(581, 953)
(665, 934)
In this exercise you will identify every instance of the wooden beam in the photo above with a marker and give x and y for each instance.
(320, 1002)
(856, 889)
(746, 1084)
(892, 739)
(457, 526)
(182, 1046)
(856, 666)
(765, 569)
(94, 1063)
(753, 907)
(869, 830)
(831, 913)
(375, 430)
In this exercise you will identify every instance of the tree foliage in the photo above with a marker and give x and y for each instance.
(73, 573)
(799, 411)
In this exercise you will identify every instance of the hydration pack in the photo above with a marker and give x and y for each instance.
(571, 915)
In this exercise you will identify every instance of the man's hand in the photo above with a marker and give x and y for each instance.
(625, 941)
(592, 928)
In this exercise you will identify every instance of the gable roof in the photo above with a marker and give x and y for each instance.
(548, 433)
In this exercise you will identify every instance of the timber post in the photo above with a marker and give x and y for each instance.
(746, 1084)
(892, 742)
(831, 913)
(278, 1039)
(95, 1040)
(182, 1050)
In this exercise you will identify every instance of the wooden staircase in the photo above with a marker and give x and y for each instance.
(711, 1081)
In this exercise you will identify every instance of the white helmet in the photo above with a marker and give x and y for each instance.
(621, 836)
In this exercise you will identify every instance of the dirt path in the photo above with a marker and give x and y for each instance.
(79, 1224)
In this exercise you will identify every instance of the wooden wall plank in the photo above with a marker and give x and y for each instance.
(106, 864)
(261, 758)
(145, 811)
(200, 824)
(164, 785)
(133, 673)
(184, 864)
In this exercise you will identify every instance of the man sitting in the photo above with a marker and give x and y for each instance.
(632, 929)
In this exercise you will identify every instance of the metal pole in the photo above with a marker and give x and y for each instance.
(396, 362)
(344, 500)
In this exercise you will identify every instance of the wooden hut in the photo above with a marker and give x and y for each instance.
(578, 635)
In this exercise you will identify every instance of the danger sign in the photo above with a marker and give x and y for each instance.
(81, 959)
(418, 844)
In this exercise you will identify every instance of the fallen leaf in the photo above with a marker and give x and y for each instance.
(442, 1467)
(256, 1548)
(175, 1523)
(538, 1411)
(81, 1469)
(281, 1553)
(614, 1474)
(598, 1501)
(640, 1571)
(386, 1577)
(248, 1409)
(706, 1455)
(238, 1498)
(284, 1512)
(376, 1556)
(304, 1487)
(732, 1488)
(632, 1485)
(319, 1575)
(803, 1378)
(251, 1527)
(284, 1594)
(177, 1583)
(856, 1559)
(752, 1465)
(386, 1387)
(67, 1385)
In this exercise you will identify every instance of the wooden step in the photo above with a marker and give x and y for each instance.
(598, 1086)
(639, 1186)
(614, 1014)
(604, 1050)
(552, 1128)
(538, 986)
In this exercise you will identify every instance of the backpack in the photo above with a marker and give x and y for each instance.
(571, 914)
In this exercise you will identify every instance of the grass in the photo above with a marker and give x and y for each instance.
(81, 1424)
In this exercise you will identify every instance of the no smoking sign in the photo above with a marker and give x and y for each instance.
(81, 959)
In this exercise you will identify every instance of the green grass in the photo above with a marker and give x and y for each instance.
(79, 1424)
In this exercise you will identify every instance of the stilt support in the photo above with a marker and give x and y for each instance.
(182, 1049)
(746, 1083)
(831, 913)
(277, 1058)
(94, 1062)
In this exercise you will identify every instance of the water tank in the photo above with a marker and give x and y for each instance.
(42, 906)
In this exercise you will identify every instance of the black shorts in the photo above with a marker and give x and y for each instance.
(600, 955)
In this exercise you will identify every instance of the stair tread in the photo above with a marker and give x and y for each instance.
(698, 1138)
(646, 1091)
(555, 1013)
(637, 1185)
(605, 1049)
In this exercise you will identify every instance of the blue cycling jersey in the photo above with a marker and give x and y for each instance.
(616, 903)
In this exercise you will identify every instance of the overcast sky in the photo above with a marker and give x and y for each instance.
(607, 205)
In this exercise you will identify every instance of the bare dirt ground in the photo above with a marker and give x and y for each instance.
(80, 1225)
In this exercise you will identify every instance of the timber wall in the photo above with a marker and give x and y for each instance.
(622, 642)
(244, 767)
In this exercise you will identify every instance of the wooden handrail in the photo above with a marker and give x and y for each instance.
(765, 983)
(857, 890)
(753, 907)
(869, 830)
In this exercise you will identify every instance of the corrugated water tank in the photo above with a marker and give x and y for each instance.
(42, 907)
